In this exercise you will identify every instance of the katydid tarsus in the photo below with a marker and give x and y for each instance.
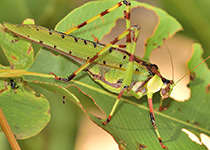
(117, 70)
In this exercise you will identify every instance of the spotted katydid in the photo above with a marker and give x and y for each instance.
(117, 70)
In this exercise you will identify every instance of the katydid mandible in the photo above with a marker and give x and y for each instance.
(117, 70)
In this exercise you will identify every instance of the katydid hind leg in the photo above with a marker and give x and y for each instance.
(136, 30)
(98, 54)
(128, 25)
(84, 66)
(125, 2)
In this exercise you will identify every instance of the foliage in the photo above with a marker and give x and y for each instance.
(130, 125)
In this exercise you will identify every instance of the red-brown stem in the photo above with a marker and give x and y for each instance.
(8, 132)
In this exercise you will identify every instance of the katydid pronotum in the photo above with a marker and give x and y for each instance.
(118, 71)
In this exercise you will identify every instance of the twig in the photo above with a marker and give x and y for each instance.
(8, 132)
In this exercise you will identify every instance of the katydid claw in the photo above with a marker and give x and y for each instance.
(107, 121)
(104, 122)
(56, 77)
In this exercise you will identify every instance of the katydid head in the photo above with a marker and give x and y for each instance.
(167, 88)
(158, 82)
(169, 84)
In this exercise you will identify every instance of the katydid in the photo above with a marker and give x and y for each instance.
(117, 70)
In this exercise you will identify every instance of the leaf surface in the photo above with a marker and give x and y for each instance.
(13, 47)
(26, 113)
(130, 125)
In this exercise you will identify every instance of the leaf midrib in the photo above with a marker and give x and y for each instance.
(140, 106)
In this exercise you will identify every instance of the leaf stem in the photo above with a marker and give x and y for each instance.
(8, 132)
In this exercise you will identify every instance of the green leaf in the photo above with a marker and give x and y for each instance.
(200, 89)
(197, 27)
(166, 27)
(59, 65)
(19, 53)
(98, 28)
(26, 113)
(130, 125)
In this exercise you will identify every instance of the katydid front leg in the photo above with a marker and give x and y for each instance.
(152, 117)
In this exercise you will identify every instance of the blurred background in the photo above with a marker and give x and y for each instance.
(69, 128)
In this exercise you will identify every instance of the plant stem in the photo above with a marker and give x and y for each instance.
(8, 132)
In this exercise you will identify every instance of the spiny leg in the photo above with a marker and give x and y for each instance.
(98, 16)
(161, 105)
(127, 16)
(128, 74)
(128, 34)
(115, 106)
(119, 46)
(128, 25)
(152, 116)
(102, 51)
(114, 46)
